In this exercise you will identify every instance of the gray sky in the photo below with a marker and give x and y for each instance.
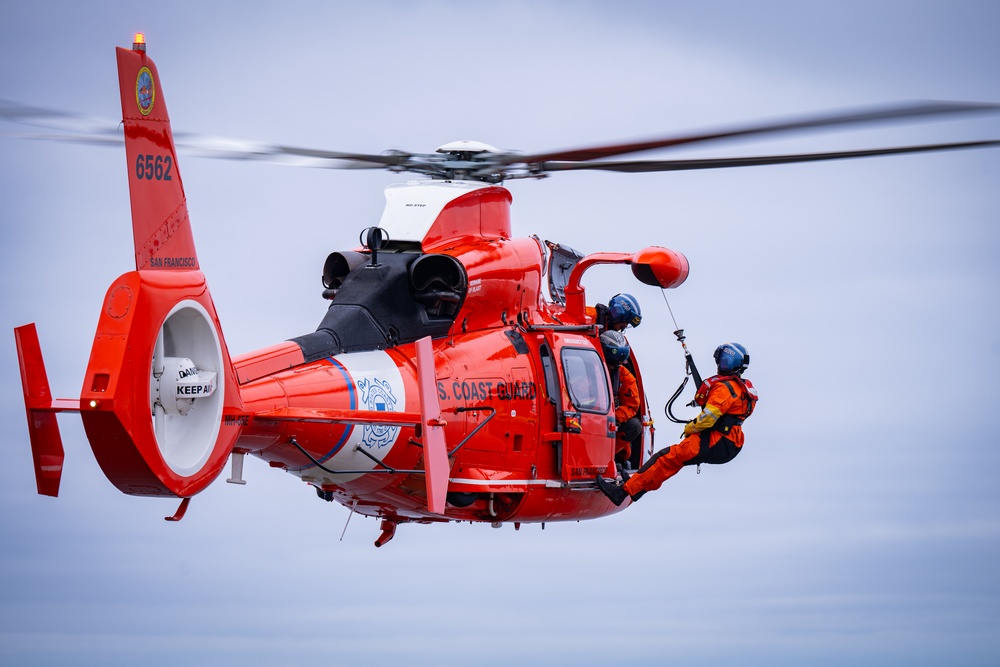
(860, 526)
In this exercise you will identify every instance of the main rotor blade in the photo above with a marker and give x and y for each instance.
(909, 111)
(237, 149)
(640, 166)
(495, 167)
(15, 112)
(95, 131)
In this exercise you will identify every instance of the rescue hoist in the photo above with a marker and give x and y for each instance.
(690, 371)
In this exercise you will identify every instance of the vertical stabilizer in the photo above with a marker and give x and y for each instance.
(160, 224)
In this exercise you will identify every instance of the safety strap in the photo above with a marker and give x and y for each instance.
(726, 422)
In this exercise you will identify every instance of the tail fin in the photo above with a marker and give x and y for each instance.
(160, 224)
(160, 402)
(160, 398)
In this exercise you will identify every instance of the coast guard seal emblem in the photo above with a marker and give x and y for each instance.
(145, 91)
(377, 395)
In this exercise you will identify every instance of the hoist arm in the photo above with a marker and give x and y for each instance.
(691, 368)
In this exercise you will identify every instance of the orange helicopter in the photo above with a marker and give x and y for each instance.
(441, 385)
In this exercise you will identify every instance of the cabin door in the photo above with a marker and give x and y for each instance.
(588, 411)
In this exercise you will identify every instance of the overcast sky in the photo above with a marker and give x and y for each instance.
(861, 525)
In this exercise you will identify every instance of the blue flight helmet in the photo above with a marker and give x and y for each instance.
(731, 358)
(624, 309)
(616, 348)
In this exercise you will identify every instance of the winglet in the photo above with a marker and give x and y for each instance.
(435, 450)
(43, 429)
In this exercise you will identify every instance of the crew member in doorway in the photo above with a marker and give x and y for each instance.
(622, 311)
(626, 393)
(714, 436)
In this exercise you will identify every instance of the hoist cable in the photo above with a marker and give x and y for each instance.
(689, 368)
(669, 309)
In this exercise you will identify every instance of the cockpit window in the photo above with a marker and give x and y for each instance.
(586, 379)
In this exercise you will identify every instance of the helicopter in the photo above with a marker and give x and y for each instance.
(443, 383)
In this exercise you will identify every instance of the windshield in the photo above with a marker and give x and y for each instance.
(586, 379)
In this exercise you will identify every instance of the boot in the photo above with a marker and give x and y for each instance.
(616, 493)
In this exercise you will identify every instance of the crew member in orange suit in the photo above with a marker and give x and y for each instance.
(626, 391)
(714, 436)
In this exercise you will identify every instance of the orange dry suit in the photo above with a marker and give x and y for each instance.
(714, 436)
(598, 315)
(626, 409)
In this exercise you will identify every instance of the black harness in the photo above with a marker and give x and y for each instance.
(746, 394)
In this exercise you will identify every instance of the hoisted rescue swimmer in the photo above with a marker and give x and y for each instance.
(714, 436)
